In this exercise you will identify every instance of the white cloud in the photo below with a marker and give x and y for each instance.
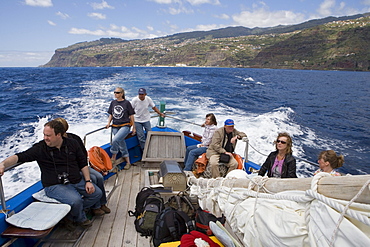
(331, 8)
(165, 1)
(198, 2)
(115, 31)
(264, 18)
(62, 15)
(326, 7)
(179, 10)
(24, 58)
(204, 28)
(222, 16)
(191, 2)
(51, 23)
(102, 5)
(98, 16)
(39, 3)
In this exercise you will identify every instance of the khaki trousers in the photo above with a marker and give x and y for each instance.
(213, 162)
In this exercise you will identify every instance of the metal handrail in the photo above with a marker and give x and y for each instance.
(92, 132)
(2, 193)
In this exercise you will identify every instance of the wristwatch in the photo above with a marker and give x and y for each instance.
(88, 181)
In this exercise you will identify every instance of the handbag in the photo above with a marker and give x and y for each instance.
(224, 158)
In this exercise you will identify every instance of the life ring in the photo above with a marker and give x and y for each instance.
(99, 159)
(238, 158)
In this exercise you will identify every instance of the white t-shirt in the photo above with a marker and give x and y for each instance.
(142, 113)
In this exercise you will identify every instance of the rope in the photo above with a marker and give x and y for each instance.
(182, 120)
(344, 209)
(347, 209)
(301, 159)
(256, 150)
(315, 180)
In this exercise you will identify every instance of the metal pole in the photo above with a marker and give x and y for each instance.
(246, 140)
(162, 108)
(3, 203)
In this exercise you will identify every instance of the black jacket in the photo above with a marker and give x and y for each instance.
(288, 170)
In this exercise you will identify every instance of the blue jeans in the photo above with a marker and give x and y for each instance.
(98, 179)
(76, 196)
(140, 132)
(118, 142)
(192, 154)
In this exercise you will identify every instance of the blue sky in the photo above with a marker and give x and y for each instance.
(31, 30)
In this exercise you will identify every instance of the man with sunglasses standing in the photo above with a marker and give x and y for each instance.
(280, 163)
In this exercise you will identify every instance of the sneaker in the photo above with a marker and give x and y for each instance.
(85, 224)
(127, 166)
(105, 209)
(98, 212)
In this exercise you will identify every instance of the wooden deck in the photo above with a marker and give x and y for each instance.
(116, 228)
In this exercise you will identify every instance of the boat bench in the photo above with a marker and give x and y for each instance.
(38, 219)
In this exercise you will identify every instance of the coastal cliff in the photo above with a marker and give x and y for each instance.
(338, 44)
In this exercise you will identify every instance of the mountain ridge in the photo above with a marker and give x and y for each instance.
(291, 46)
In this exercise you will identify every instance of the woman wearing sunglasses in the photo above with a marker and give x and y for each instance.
(280, 163)
(121, 114)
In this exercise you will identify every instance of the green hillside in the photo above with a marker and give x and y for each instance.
(335, 45)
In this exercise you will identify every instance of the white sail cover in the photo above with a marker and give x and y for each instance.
(291, 218)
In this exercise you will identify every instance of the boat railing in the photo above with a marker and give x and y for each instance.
(2, 192)
(94, 131)
(246, 140)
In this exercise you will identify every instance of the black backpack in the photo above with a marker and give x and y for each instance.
(183, 202)
(170, 225)
(148, 205)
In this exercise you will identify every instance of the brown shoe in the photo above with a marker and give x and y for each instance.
(85, 224)
(105, 209)
(98, 212)
(68, 224)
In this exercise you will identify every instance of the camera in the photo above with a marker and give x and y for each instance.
(63, 178)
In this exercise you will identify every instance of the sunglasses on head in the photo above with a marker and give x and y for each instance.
(117, 92)
(282, 142)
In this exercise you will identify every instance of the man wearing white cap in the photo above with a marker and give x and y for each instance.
(141, 103)
(223, 144)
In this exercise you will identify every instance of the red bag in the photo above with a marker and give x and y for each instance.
(187, 240)
(202, 219)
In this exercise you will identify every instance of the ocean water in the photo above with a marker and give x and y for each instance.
(320, 109)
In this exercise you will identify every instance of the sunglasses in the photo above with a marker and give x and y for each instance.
(282, 142)
(117, 92)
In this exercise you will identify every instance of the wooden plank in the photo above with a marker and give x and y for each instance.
(143, 241)
(161, 146)
(119, 225)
